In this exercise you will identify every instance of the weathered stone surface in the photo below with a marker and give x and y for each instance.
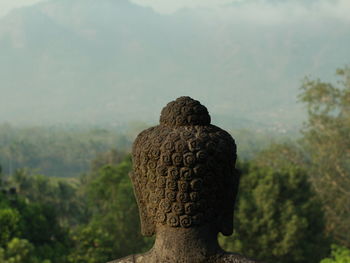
(185, 184)
(223, 258)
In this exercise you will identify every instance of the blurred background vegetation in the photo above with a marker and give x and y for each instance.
(66, 196)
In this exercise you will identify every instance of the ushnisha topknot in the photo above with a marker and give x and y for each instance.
(184, 111)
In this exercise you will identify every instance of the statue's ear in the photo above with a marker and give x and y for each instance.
(226, 221)
(147, 224)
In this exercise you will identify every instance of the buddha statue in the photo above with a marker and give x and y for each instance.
(185, 183)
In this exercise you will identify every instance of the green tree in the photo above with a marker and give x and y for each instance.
(326, 144)
(113, 230)
(277, 218)
(19, 251)
(339, 255)
(30, 232)
(9, 228)
(60, 194)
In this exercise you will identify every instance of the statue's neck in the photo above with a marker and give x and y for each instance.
(187, 245)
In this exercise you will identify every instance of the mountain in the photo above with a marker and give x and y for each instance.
(112, 62)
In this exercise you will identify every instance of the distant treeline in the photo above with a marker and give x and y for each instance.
(55, 151)
(68, 152)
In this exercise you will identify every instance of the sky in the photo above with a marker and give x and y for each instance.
(7, 5)
(267, 10)
(163, 6)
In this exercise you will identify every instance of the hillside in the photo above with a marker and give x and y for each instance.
(112, 62)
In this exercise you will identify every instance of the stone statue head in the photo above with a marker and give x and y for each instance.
(184, 171)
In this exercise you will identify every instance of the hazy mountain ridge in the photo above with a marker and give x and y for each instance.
(109, 61)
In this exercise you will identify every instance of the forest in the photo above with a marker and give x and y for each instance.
(65, 194)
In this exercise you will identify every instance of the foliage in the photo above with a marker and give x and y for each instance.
(114, 229)
(277, 218)
(18, 251)
(326, 143)
(339, 255)
(9, 219)
(30, 232)
(60, 194)
(99, 208)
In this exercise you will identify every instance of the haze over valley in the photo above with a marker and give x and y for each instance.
(116, 62)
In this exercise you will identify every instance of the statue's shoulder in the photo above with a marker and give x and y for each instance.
(236, 258)
(128, 259)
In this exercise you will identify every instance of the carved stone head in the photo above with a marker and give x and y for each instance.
(184, 170)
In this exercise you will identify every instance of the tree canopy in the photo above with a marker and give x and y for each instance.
(278, 217)
(326, 144)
